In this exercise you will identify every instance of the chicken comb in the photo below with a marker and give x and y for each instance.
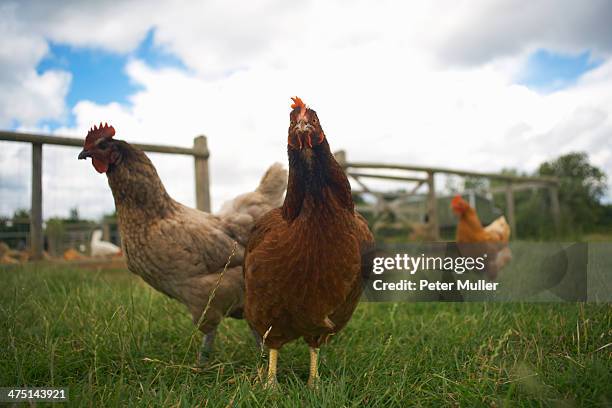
(95, 133)
(102, 131)
(456, 199)
(297, 103)
(459, 204)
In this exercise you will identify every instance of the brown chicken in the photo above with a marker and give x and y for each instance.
(180, 251)
(303, 263)
(475, 240)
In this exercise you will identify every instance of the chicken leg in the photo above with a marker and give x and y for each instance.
(207, 345)
(313, 377)
(273, 359)
(257, 338)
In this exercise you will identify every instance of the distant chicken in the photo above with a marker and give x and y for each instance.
(11, 256)
(72, 254)
(180, 251)
(102, 248)
(7, 255)
(303, 264)
(477, 240)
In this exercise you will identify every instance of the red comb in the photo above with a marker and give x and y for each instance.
(95, 133)
(297, 103)
(102, 131)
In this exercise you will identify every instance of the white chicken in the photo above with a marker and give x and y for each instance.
(102, 248)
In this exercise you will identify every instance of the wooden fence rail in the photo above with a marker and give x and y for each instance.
(199, 152)
(512, 184)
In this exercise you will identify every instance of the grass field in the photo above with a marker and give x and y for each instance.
(114, 341)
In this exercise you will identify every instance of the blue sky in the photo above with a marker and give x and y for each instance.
(100, 76)
(547, 71)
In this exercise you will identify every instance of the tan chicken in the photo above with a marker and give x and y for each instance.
(7, 255)
(180, 251)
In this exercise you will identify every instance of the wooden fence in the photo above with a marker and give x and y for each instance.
(358, 172)
(199, 152)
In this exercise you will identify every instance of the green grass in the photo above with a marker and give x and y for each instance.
(114, 341)
(603, 236)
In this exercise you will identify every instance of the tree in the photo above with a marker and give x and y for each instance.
(74, 215)
(479, 185)
(582, 187)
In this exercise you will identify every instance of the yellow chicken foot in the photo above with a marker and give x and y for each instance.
(271, 383)
(313, 378)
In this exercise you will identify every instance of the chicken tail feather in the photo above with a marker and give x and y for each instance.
(273, 183)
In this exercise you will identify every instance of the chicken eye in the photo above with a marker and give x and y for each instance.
(103, 145)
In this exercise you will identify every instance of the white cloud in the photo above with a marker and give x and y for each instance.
(468, 120)
(488, 30)
(104, 24)
(27, 96)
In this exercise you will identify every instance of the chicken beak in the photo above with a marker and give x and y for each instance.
(303, 130)
(301, 126)
(84, 154)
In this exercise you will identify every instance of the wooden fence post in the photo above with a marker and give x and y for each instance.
(510, 209)
(36, 232)
(106, 236)
(555, 208)
(432, 207)
(202, 187)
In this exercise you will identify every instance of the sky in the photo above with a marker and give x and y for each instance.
(474, 85)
